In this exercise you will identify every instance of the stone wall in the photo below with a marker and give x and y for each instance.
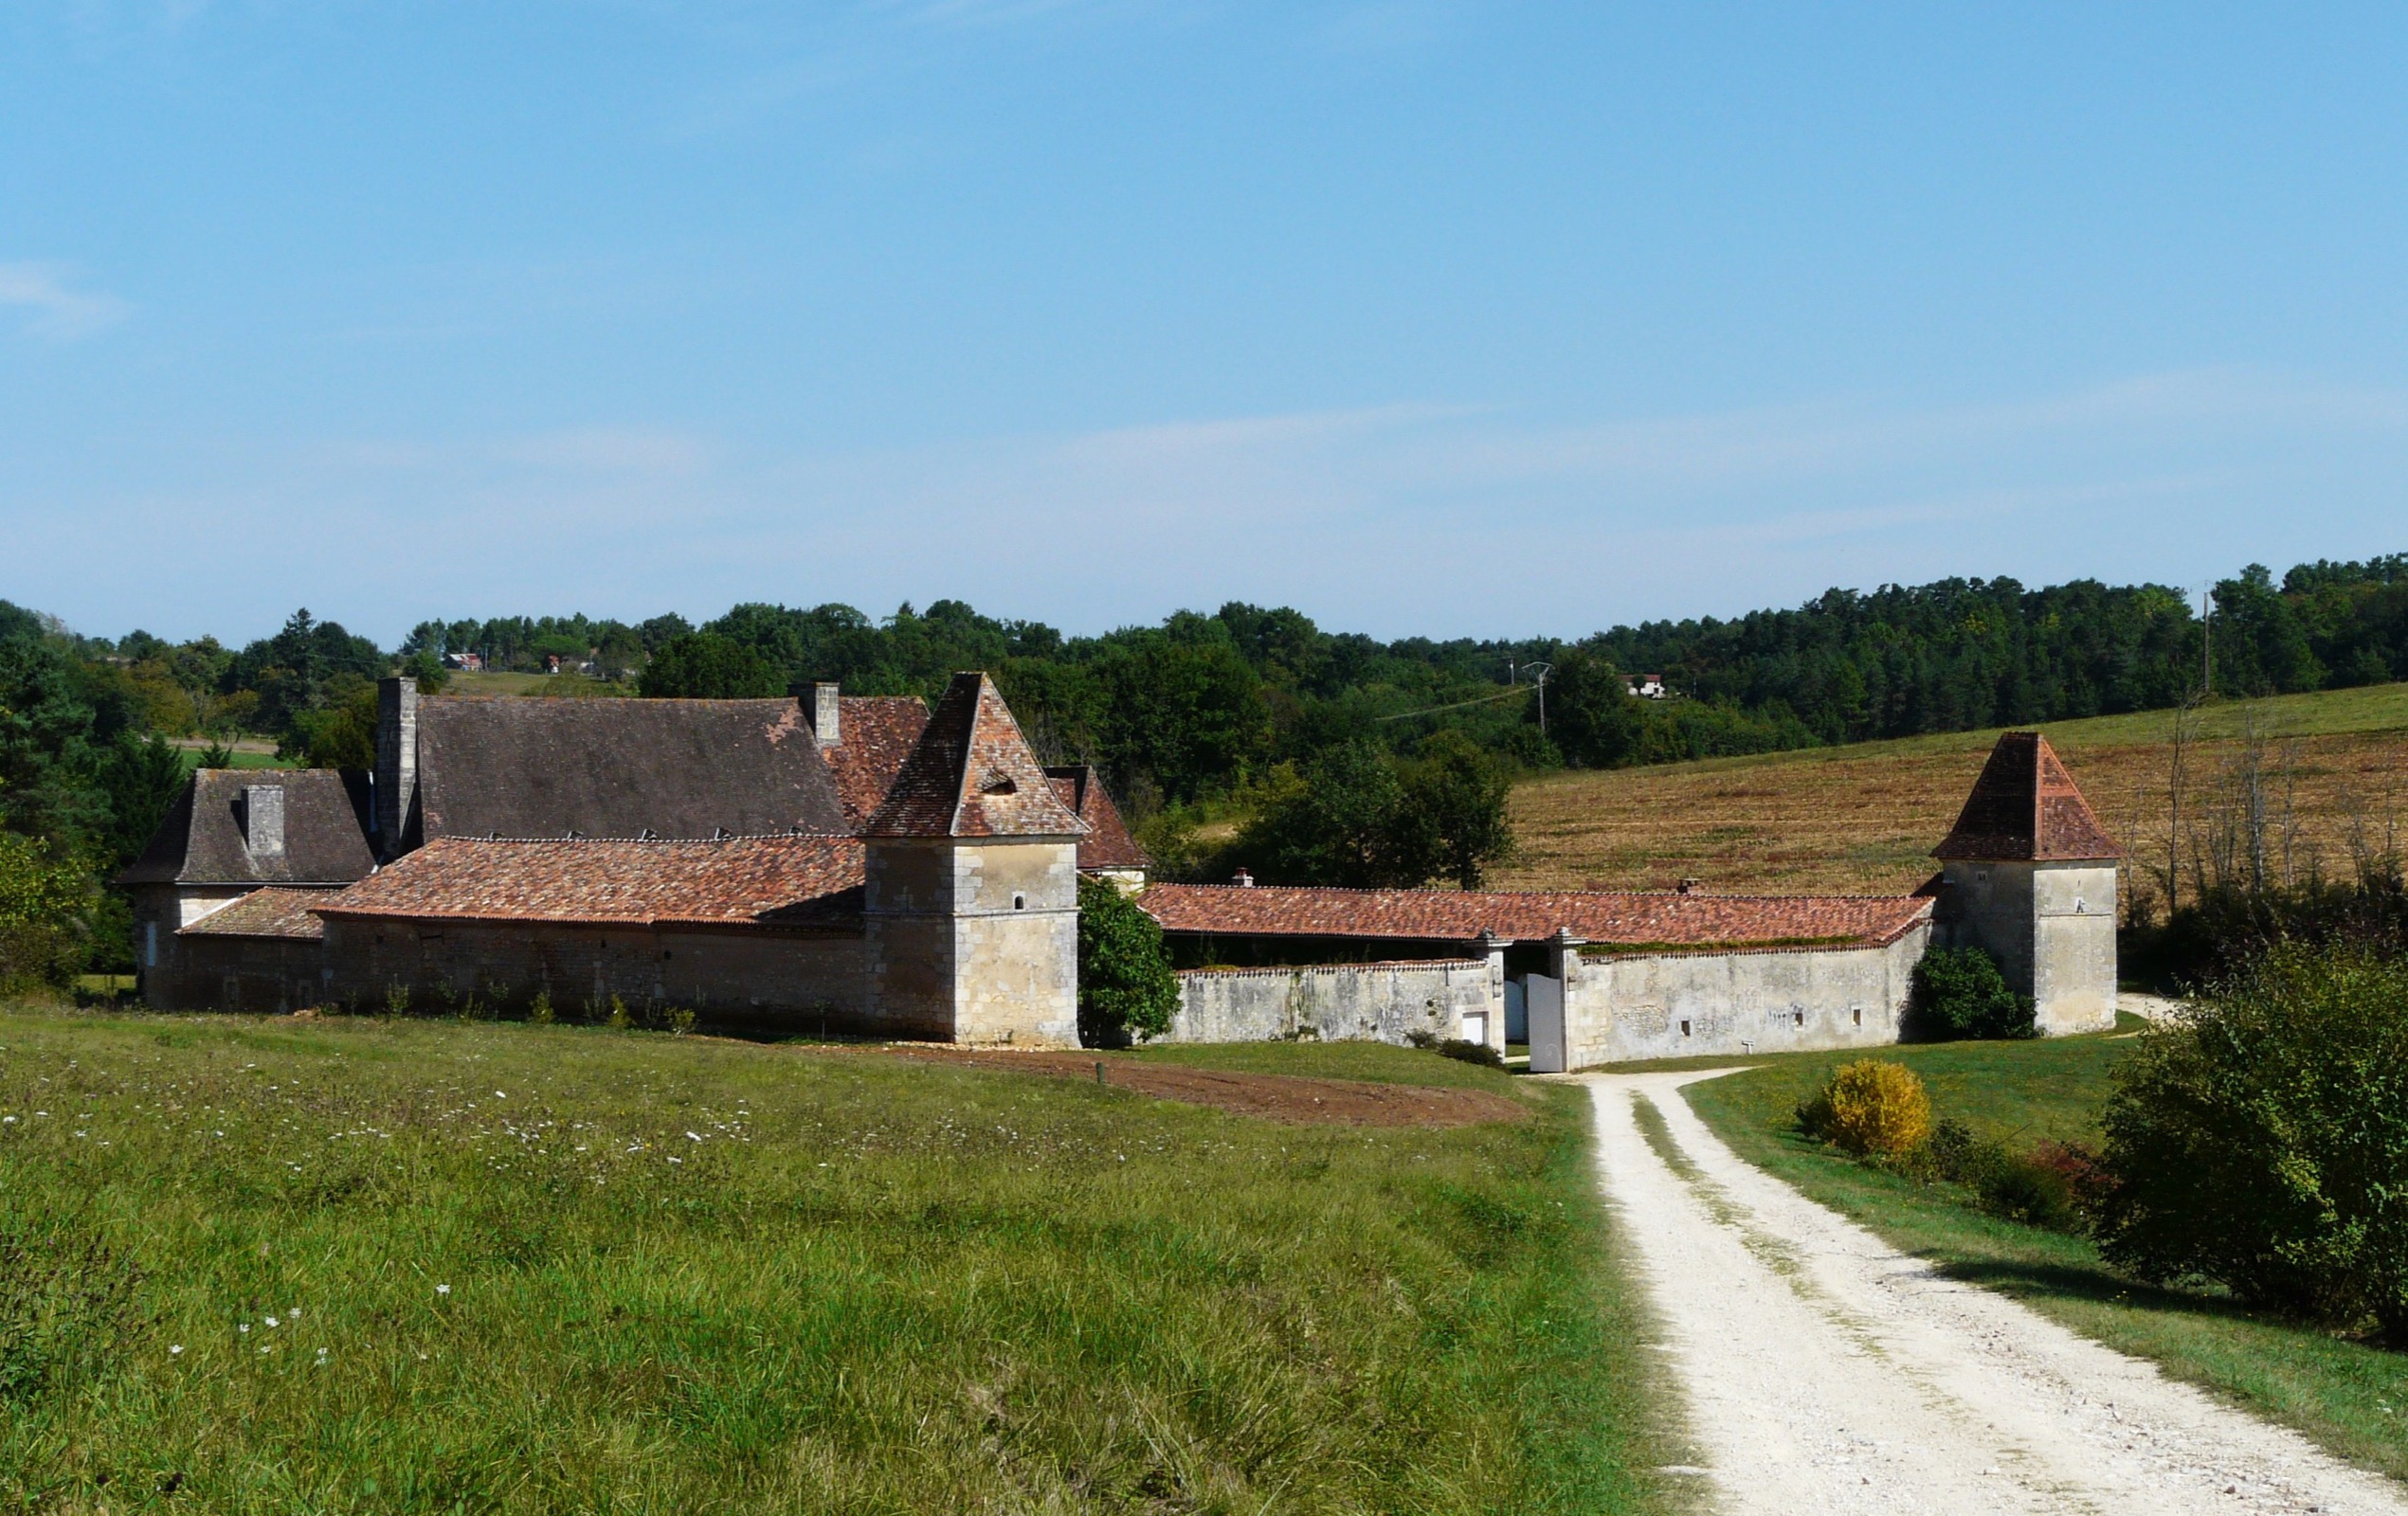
(1623, 1007)
(2052, 927)
(263, 975)
(165, 976)
(790, 978)
(975, 941)
(1382, 1002)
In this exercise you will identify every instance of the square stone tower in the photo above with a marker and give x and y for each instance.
(2031, 876)
(971, 908)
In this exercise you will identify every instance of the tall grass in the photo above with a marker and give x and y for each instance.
(384, 1265)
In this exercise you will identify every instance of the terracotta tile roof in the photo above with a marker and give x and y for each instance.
(1670, 920)
(265, 914)
(972, 774)
(878, 731)
(1107, 844)
(2025, 807)
(685, 768)
(744, 880)
(326, 820)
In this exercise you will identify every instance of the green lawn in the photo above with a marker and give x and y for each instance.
(2350, 1397)
(538, 1269)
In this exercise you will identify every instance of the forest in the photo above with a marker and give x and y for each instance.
(1350, 759)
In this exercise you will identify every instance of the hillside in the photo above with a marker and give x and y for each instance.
(1865, 818)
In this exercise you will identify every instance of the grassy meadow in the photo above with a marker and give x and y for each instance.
(266, 1265)
(2350, 1397)
(1863, 818)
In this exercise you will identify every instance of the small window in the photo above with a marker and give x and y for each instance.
(1684, 1028)
(1860, 1014)
(1800, 1017)
(1020, 902)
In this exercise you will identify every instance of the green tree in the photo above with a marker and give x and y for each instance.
(1346, 820)
(2261, 1144)
(706, 666)
(1126, 986)
(1456, 795)
(341, 734)
(46, 914)
(1591, 715)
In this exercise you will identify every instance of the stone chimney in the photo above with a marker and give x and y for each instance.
(1244, 880)
(827, 715)
(396, 762)
(264, 821)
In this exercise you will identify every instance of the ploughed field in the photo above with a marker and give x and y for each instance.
(266, 1264)
(2331, 775)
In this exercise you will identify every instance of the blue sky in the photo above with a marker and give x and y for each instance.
(1424, 317)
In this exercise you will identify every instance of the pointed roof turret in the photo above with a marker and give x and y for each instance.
(972, 774)
(2025, 809)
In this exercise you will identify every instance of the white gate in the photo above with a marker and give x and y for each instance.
(1543, 1007)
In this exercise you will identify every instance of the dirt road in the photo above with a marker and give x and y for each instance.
(1828, 1372)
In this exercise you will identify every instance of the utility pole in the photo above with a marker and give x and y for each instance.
(1543, 670)
(2207, 643)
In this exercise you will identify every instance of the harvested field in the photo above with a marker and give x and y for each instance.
(2331, 776)
(1273, 1096)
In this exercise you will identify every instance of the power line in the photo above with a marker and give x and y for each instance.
(1486, 699)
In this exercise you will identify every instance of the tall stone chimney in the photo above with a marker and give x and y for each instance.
(396, 762)
(264, 821)
(827, 715)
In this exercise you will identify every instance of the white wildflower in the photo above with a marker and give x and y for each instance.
(694, 1136)
(442, 1290)
(244, 1327)
(174, 1349)
(271, 1320)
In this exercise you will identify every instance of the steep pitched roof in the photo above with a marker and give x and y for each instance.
(972, 774)
(202, 840)
(739, 881)
(2025, 809)
(1628, 919)
(1107, 844)
(675, 769)
(265, 914)
(877, 732)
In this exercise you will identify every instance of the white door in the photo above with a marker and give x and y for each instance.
(1543, 1005)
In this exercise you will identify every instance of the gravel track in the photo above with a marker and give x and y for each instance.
(1828, 1372)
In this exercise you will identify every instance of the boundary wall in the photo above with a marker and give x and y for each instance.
(1619, 1008)
(1338, 1002)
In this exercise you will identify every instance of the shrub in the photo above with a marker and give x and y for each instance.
(1126, 986)
(1959, 993)
(1479, 1053)
(2260, 1144)
(539, 1009)
(1870, 1108)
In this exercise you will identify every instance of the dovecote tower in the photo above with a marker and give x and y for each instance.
(2031, 876)
(971, 900)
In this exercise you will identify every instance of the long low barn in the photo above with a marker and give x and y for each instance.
(1581, 977)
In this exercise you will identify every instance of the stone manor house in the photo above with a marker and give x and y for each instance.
(873, 866)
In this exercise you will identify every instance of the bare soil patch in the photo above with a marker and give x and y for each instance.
(1272, 1096)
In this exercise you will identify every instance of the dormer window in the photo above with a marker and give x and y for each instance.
(998, 783)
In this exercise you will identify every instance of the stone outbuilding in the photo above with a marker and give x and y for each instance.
(233, 832)
(2029, 874)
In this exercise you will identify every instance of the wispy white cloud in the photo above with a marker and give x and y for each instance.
(56, 308)
(1435, 518)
